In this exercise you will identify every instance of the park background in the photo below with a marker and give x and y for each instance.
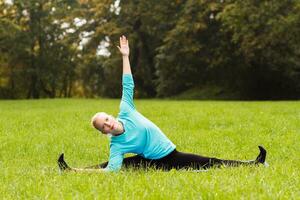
(221, 49)
(199, 69)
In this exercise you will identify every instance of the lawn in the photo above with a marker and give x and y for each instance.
(33, 134)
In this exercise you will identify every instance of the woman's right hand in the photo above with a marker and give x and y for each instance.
(124, 47)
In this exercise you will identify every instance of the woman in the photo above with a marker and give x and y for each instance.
(131, 132)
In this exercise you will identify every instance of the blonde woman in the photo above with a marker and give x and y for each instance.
(131, 132)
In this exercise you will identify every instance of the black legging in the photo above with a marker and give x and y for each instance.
(179, 160)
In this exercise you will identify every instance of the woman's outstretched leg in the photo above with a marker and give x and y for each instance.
(180, 160)
(259, 159)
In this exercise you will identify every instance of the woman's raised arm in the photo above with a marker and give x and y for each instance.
(127, 79)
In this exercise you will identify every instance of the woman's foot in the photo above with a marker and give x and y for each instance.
(261, 158)
(63, 166)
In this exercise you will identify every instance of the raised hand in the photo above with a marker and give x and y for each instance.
(124, 47)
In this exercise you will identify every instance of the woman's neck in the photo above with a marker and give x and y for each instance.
(120, 130)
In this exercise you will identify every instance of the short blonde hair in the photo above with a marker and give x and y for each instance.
(93, 120)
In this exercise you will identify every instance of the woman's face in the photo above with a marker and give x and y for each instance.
(106, 123)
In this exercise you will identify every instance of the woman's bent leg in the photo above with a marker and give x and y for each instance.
(132, 161)
(136, 162)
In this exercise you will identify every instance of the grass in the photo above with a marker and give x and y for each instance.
(33, 134)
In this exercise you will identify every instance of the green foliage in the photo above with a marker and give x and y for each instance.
(266, 34)
(39, 57)
(184, 55)
(208, 92)
(33, 134)
(51, 48)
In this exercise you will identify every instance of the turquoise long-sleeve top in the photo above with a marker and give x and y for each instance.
(141, 136)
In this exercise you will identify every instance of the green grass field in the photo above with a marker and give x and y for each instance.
(34, 133)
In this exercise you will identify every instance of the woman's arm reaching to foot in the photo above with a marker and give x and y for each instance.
(82, 170)
(64, 167)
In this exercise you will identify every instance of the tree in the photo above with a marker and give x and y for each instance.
(266, 33)
(39, 46)
(188, 50)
